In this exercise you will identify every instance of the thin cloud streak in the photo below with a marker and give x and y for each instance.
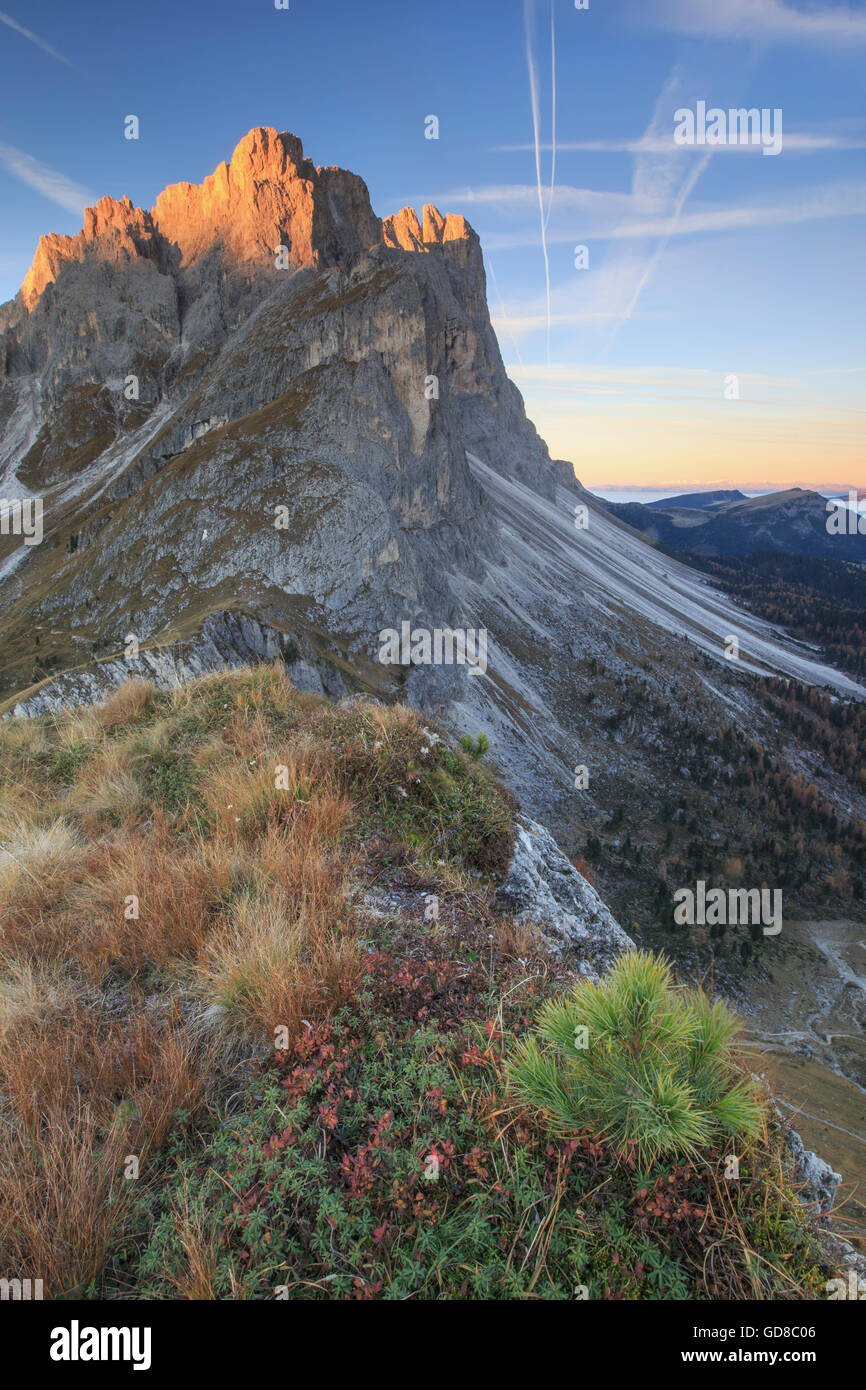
(798, 143)
(627, 216)
(656, 177)
(531, 323)
(34, 38)
(784, 404)
(844, 200)
(536, 122)
(552, 110)
(763, 20)
(684, 378)
(504, 314)
(48, 182)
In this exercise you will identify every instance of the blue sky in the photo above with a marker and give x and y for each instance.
(704, 264)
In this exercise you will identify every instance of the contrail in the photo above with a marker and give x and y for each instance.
(506, 320)
(684, 193)
(650, 138)
(34, 38)
(552, 109)
(536, 122)
(660, 172)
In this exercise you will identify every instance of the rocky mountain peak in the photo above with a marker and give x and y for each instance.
(173, 384)
(403, 229)
(114, 229)
(268, 195)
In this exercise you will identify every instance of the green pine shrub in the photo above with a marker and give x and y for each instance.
(636, 1059)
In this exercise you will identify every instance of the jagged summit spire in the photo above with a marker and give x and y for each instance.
(268, 194)
(404, 229)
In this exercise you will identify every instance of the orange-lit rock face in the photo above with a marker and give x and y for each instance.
(261, 200)
(405, 231)
(266, 197)
(117, 230)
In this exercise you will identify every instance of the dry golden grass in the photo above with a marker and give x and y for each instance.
(138, 1069)
(62, 1197)
(197, 1281)
(179, 887)
(106, 792)
(35, 867)
(79, 726)
(514, 939)
(286, 950)
(585, 870)
(237, 799)
(243, 794)
(240, 899)
(82, 1096)
(19, 810)
(128, 702)
(269, 968)
(145, 949)
(23, 739)
(32, 991)
(246, 736)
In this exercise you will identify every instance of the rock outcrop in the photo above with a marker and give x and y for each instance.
(544, 890)
(226, 642)
(820, 1183)
(269, 195)
(114, 230)
(404, 230)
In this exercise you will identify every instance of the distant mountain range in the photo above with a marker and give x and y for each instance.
(699, 499)
(726, 522)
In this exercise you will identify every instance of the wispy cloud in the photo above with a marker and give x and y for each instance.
(698, 391)
(521, 196)
(34, 38)
(522, 324)
(46, 181)
(809, 205)
(605, 216)
(660, 176)
(528, 14)
(552, 111)
(561, 375)
(768, 20)
(798, 143)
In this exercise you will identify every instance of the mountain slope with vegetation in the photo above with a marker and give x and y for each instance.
(819, 601)
(259, 1011)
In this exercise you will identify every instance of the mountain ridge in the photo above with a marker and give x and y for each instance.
(792, 520)
(698, 500)
(268, 194)
(365, 405)
(369, 401)
(344, 386)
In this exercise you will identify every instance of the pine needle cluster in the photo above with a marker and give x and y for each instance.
(641, 1062)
